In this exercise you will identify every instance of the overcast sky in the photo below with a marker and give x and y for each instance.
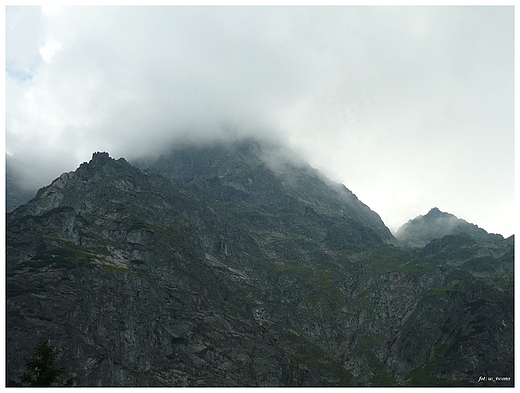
(409, 107)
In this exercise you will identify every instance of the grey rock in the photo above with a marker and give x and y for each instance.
(216, 266)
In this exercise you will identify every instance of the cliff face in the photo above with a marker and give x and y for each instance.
(232, 266)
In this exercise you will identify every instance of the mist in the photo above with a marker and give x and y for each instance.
(409, 107)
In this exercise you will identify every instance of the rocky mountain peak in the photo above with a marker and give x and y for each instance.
(100, 157)
(435, 212)
(231, 266)
(437, 224)
(103, 160)
(259, 174)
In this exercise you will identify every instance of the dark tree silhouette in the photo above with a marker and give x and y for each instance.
(41, 369)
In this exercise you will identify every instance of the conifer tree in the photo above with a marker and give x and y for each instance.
(41, 369)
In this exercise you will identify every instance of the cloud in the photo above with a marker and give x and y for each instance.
(129, 78)
(48, 51)
(51, 9)
(405, 105)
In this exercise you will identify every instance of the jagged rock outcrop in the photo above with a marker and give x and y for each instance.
(219, 267)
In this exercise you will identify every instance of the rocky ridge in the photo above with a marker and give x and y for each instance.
(219, 267)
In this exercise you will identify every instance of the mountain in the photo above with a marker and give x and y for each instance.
(234, 265)
(436, 224)
(264, 180)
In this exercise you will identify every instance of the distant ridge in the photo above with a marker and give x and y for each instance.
(437, 224)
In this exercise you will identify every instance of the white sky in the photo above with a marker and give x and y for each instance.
(409, 107)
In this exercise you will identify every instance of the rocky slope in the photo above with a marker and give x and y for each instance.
(232, 266)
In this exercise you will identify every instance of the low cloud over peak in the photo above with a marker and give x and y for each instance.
(395, 102)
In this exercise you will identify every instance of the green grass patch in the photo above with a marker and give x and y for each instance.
(67, 256)
(119, 269)
(439, 291)
(387, 258)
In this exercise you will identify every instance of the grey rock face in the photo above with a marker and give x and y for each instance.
(219, 268)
